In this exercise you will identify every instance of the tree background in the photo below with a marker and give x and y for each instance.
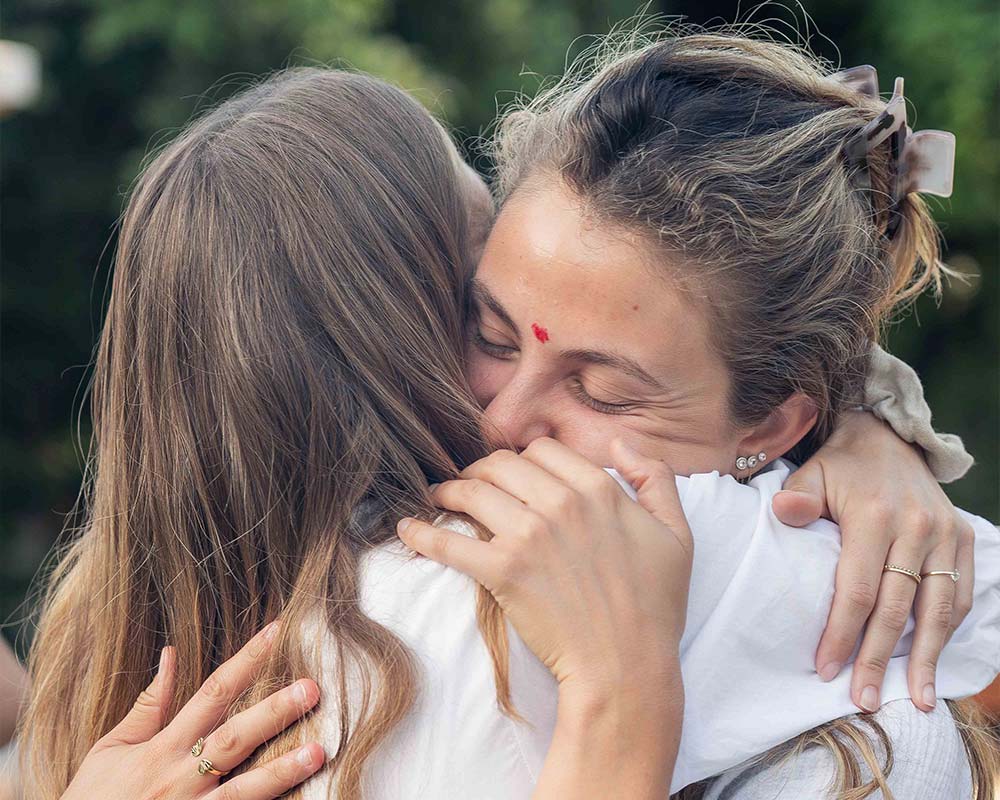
(120, 76)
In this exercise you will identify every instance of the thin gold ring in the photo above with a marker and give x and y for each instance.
(902, 571)
(951, 573)
(205, 766)
(198, 746)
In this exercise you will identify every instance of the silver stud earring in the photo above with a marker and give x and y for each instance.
(749, 462)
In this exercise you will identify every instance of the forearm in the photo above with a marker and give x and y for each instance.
(623, 744)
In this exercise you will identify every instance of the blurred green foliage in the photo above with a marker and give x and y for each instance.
(121, 76)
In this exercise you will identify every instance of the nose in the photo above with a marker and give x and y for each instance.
(517, 416)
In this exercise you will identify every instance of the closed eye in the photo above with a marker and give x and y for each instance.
(492, 349)
(599, 405)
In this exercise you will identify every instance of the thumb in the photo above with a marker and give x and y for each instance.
(148, 714)
(802, 499)
(654, 482)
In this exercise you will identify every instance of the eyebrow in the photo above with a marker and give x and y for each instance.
(484, 296)
(600, 358)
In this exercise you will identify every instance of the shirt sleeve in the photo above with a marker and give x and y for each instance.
(893, 393)
(928, 755)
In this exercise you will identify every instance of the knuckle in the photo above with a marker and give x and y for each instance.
(564, 500)
(215, 687)
(282, 770)
(939, 613)
(226, 739)
(873, 664)
(861, 596)
(921, 522)
(146, 701)
(497, 460)
(881, 514)
(508, 568)
(893, 612)
(230, 791)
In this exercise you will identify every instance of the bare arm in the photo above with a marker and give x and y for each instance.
(623, 746)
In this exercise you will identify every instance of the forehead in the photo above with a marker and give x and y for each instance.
(589, 283)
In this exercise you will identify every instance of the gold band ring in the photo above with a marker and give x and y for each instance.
(951, 573)
(205, 766)
(902, 571)
(198, 746)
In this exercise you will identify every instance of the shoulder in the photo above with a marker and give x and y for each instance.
(455, 740)
(928, 757)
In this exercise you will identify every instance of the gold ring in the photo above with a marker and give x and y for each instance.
(205, 766)
(951, 573)
(902, 571)
(198, 746)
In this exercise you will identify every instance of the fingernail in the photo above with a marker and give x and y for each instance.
(432, 487)
(929, 696)
(869, 699)
(403, 524)
(830, 671)
(299, 693)
(304, 756)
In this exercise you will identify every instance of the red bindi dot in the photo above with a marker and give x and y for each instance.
(540, 333)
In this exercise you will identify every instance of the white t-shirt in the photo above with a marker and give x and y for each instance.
(760, 596)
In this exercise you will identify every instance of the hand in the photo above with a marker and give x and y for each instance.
(594, 583)
(140, 759)
(890, 510)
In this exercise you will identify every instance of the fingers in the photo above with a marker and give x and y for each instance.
(514, 474)
(146, 718)
(654, 482)
(567, 465)
(885, 627)
(484, 502)
(211, 702)
(233, 742)
(802, 499)
(274, 778)
(470, 556)
(859, 573)
(933, 610)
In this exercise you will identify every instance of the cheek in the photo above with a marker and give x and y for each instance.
(487, 376)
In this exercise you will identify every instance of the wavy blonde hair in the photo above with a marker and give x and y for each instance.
(724, 151)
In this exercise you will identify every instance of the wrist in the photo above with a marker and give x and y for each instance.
(649, 692)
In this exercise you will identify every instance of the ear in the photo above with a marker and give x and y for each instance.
(783, 428)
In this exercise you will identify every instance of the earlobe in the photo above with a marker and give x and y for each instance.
(779, 433)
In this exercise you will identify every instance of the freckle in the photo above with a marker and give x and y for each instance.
(540, 333)
(635, 308)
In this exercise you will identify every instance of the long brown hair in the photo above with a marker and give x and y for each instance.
(728, 150)
(278, 378)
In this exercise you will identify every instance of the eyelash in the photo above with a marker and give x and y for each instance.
(597, 405)
(493, 350)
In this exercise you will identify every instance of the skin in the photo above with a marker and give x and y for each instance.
(565, 287)
(598, 292)
(144, 758)
(578, 570)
